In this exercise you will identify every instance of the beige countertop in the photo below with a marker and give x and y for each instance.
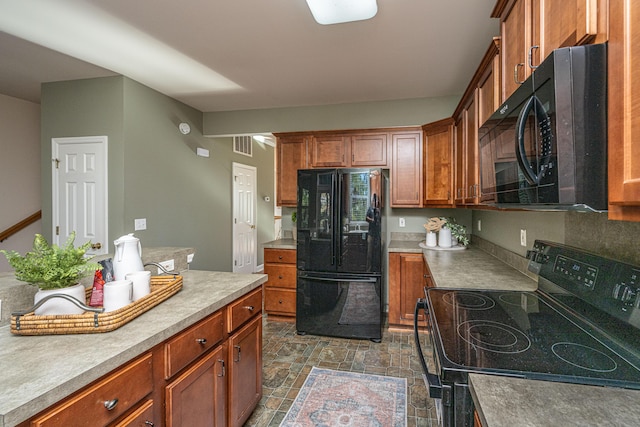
(280, 244)
(470, 268)
(506, 402)
(38, 371)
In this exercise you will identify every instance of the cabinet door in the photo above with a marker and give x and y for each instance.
(369, 150)
(198, 396)
(438, 171)
(141, 417)
(461, 173)
(406, 170)
(566, 23)
(407, 279)
(472, 178)
(330, 151)
(624, 110)
(516, 40)
(291, 156)
(245, 371)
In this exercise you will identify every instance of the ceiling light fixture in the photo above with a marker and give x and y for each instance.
(327, 12)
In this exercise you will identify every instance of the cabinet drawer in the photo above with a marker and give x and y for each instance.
(142, 416)
(123, 388)
(243, 309)
(280, 301)
(191, 343)
(287, 256)
(281, 276)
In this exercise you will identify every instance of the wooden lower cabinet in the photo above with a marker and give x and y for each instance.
(198, 397)
(209, 374)
(245, 371)
(280, 289)
(408, 276)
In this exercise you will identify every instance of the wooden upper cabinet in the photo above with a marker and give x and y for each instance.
(291, 155)
(406, 169)
(369, 149)
(516, 32)
(460, 160)
(532, 29)
(439, 163)
(624, 110)
(331, 151)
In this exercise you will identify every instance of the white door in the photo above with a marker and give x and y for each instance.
(79, 181)
(244, 218)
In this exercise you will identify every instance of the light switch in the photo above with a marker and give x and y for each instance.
(140, 224)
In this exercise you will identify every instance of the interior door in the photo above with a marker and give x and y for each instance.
(244, 218)
(79, 191)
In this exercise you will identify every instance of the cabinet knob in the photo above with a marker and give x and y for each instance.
(280, 277)
(110, 404)
(201, 341)
(249, 307)
(279, 301)
(149, 423)
(280, 257)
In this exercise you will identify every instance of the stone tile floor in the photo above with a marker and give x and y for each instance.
(288, 359)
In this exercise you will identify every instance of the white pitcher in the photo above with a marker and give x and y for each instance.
(128, 256)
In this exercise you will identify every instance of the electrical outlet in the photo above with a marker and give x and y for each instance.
(401, 222)
(479, 225)
(0, 309)
(523, 237)
(168, 265)
(139, 224)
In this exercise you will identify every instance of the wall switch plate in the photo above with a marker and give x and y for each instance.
(402, 223)
(190, 258)
(523, 237)
(139, 224)
(168, 265)
(0, 309)
(479, 225)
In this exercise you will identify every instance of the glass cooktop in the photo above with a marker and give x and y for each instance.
(522, 334)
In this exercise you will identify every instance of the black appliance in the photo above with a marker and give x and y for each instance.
(581, 326)
(340, 232)
(546, 146)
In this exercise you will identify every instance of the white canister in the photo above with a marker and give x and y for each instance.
(117, 294)
(141, 283)
(444, 237)
(431, 239)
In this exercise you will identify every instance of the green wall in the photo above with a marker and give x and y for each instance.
(154, 172)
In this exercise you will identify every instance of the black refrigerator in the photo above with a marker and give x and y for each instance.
(340, 232)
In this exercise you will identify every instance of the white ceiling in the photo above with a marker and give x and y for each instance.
(247, 53)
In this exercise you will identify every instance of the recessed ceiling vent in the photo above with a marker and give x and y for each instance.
(243, 145)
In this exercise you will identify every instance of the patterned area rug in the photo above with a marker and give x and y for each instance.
(331, 398)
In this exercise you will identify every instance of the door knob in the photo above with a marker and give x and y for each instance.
(96, 246)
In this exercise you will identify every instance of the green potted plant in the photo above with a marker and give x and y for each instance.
(458, 231)
(54, 269)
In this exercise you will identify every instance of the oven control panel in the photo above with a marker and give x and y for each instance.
(611, 286)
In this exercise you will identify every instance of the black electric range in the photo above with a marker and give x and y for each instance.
(581, 326)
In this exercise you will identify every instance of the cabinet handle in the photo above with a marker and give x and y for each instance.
(280, 277)
(531, 49)
(237, 347)
(223, 369)
(515, 73)
(280, 257)
(110, 404)
(201, 341)
(249, 307)
(279, 301)
(149, 423)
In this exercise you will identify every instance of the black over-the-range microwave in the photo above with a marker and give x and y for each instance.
(546, 146)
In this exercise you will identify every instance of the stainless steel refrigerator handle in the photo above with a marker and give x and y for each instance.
(435, 386)
(330, 279)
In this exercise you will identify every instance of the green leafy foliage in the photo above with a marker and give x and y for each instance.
(458, 231)
(51, 266)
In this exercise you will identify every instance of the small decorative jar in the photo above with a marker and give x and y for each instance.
(444, 237)
(431, 239)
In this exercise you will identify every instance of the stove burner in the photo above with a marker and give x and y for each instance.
(584, 357)
(526, 301)
(494, 336)
(469, 300)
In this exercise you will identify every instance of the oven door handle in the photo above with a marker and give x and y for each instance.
(344, 279)
(435, 386)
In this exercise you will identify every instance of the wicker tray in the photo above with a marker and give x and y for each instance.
(162, 287)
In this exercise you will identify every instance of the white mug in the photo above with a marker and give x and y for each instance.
(141, 283)
(117, 294)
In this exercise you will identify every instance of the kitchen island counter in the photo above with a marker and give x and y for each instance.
(505, 402)
(38, 371)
